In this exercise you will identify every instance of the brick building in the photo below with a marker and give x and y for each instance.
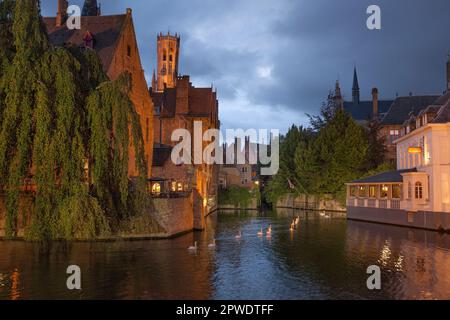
(114, 39)
(234, 173)
(178, 104)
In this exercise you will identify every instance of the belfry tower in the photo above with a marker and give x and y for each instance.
(168, 47)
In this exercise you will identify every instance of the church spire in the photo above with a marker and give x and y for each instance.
(355, 89)
(154, 88)
(90, 8)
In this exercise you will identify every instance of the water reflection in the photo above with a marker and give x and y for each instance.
(322, 258)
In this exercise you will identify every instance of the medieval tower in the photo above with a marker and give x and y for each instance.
(168, 51)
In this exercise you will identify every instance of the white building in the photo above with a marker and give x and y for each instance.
(418, 194)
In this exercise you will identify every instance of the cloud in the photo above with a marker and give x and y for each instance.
(275, 60)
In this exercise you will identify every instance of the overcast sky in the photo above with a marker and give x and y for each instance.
(272, 61)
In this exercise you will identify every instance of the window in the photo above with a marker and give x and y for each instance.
(353, 190)
(180, 186)
(156, 188)
(164, 55)
(419, 190)
(393, 135)
(173, 186)
(384, 191)
(363, 190)
(396, 191)
(129, 51)
(409, 190)
(372, 192)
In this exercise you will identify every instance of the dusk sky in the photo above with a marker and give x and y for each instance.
(273, 61)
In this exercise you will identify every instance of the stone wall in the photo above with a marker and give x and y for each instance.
(311, 202)
(175, 214)
(252, 206)
(421, 219)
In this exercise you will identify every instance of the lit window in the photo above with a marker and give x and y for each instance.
(173, 186)
(384, 191)
(372, 192)
(363, 190)
(180, 186)
(419, 190)
(156, 188)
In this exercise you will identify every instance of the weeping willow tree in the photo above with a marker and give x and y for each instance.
(61, 116)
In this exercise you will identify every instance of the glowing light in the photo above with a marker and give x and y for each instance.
(414, 150)
(257, 183)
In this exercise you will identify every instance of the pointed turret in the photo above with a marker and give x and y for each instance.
(338, 101)
(355, 89)
(154, 88)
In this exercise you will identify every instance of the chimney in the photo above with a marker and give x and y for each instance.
(61, 16)
(375, 103)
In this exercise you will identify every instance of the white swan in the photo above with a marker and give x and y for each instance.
(269, 231)
(260, 233)
(212, 245)
(322, 213)
(194, 247)
(239, 235)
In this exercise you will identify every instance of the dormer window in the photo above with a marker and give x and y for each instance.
(88, 40)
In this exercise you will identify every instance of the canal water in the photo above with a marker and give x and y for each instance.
(325, 258)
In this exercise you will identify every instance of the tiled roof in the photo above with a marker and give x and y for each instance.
(165, 100)
(364, 110)
(400, 110)
(200, 101)
(105, 29)
(388, 177)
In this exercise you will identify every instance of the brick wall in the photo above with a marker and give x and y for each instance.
(127, 59)
(175, 214)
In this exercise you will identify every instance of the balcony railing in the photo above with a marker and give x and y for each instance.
(374, 203)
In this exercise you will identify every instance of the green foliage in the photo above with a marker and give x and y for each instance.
(58, 111)
(238, 197)
(81, 217)
(321, 159)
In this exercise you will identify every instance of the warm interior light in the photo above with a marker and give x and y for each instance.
(415, 150)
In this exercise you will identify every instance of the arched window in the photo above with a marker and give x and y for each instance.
(164, 55)
(419, 190)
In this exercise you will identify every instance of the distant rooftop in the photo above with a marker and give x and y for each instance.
(402, 107)
(386, 177)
